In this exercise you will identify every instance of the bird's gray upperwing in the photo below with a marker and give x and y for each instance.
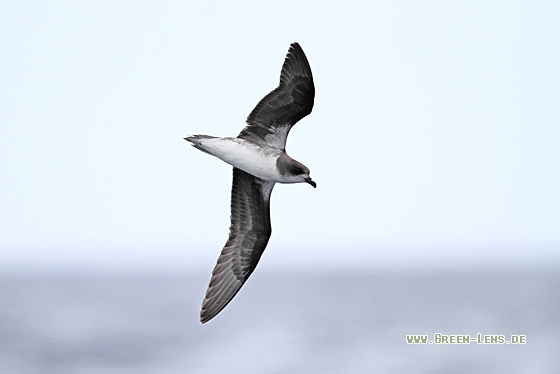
(248, 236)
(273, 117)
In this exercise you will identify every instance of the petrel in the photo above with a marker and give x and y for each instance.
(259, 160)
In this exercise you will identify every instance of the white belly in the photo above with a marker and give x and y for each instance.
(245, 156)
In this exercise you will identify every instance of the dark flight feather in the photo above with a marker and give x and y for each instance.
(273, 117)
(249, 233)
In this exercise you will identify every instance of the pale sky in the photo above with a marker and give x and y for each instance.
(435, 136)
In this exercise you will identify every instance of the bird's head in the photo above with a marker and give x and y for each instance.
(293, 171)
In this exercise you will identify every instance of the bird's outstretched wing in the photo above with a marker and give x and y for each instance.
(248, 236)
(273, 117)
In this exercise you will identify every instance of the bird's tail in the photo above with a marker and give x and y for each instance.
(197, 141)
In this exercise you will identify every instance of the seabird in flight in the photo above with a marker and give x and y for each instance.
(259, 160)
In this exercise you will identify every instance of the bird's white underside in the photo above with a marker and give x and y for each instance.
(247, 156)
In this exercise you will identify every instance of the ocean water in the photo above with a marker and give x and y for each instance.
(281, 322)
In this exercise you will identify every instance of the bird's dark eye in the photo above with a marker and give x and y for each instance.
(296, 170)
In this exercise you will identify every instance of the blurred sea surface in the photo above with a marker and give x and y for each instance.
(281, 322)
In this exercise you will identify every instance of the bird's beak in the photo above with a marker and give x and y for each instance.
(308, 180)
